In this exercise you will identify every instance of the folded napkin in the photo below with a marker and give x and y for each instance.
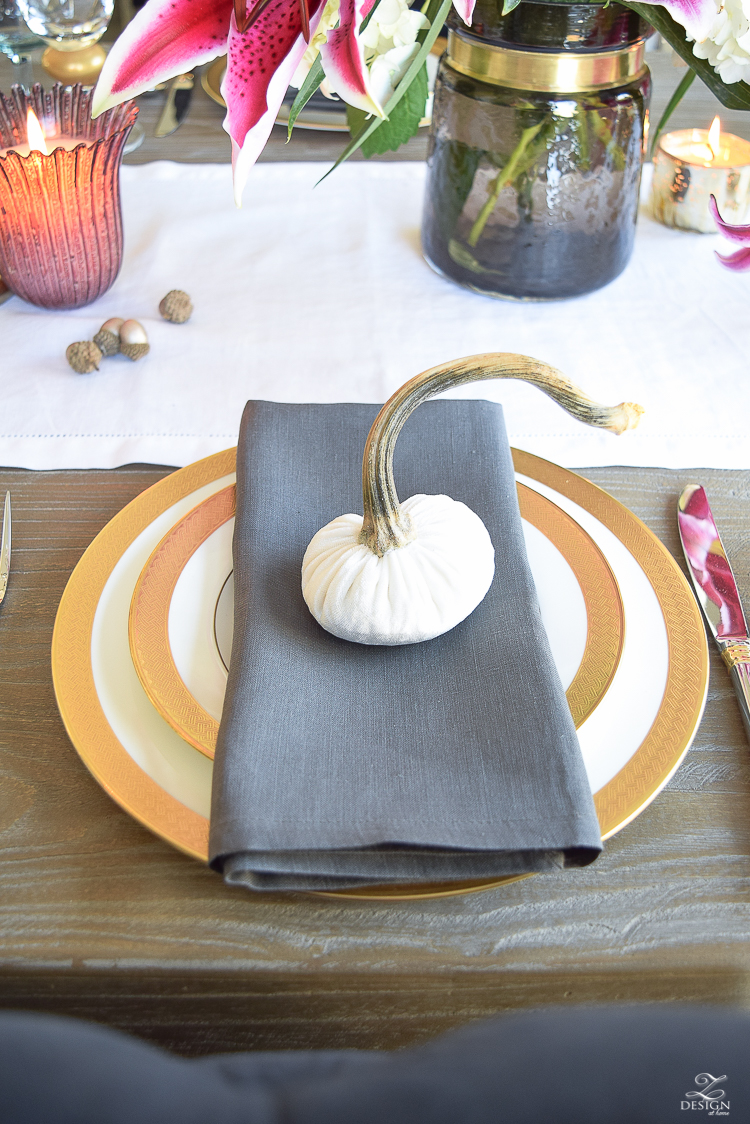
(343, 764)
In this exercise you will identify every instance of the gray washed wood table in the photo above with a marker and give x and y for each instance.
(101, 920)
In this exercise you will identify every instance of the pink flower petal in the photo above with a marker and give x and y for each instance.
(738, 262)
(260, 65)
(696, 16)
(164, 39)
(465, 9)
(343, 58)
(733, 233)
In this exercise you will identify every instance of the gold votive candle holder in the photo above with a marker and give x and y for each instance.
(689, 169)
(60, 220)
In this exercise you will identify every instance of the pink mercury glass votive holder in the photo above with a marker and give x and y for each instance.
(60, 218)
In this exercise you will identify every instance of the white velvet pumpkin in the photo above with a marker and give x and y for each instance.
(410, 571)
(408, 594)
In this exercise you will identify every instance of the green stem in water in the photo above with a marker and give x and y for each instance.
(604, 134)
(504, 177)
(582, 133)
(685, 84)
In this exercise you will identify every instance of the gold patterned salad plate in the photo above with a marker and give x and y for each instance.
(151, 607)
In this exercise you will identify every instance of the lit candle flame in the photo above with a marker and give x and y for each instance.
(34, 134)
(714, 137)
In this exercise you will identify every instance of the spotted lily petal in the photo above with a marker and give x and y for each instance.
(343, 58)
(164, 39)
(733, 233)
(260, 66)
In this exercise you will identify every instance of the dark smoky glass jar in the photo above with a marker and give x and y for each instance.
(539, 126)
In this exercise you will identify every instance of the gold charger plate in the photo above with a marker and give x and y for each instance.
(148, 626)
(617, 802)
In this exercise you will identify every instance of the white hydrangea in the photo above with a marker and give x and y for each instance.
(328, 20)
(727, 46)
(390, 43)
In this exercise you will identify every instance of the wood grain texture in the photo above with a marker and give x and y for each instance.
(100, 919)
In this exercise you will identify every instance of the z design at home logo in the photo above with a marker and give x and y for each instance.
(707, 1096)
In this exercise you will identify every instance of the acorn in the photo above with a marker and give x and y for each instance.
(107, 339)
(176, 306)
(84, 357)
(133, 340)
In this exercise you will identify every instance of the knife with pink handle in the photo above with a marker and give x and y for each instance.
(716, 589)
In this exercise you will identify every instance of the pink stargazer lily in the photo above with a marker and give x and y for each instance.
(741, 259)
(344, 59)
(264, 46)
(696, 16)
(168, 37)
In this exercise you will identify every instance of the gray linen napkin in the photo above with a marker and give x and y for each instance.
(342, 764)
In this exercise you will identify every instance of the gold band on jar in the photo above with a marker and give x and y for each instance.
(548, 72)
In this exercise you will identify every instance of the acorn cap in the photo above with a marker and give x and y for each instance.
(107, 341)
(176, 306)
(134, 351)
(83, 356)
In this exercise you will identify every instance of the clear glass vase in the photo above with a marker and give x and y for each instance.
(60, 219)
(70, 25)
(539, 126)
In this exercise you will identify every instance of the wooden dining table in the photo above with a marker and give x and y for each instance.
(101, 920)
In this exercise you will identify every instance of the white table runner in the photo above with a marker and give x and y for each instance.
(322, 295)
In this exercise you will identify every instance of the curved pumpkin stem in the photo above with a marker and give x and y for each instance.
(385, 525)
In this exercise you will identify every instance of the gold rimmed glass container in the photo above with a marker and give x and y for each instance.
(539, 126)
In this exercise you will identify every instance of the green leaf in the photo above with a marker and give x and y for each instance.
(509, 5)
(437, 13)
(356, 119)
(736, 95)
(315, 76)
(674, 101)
(403, 121)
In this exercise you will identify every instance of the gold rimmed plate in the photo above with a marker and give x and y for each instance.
(153, 647)
(632, 742)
